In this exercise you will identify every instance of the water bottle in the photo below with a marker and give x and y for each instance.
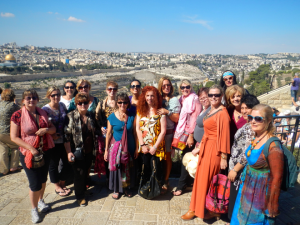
(104, 134)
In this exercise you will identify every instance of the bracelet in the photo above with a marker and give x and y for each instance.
(169, 113)
(223, 157)
(234, 170)
(154, 147)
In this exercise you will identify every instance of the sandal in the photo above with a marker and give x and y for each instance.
(67, 190)
(61, 192)
(165, 187)
(128, 194)
(13, 170)
(116, 196)
(177, 190)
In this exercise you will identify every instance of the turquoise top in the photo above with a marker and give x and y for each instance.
(92, 106)
(173, 106)
(255, 153)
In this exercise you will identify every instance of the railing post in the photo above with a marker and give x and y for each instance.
(295, 134)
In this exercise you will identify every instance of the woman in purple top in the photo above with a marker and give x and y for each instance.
(233, 96)
(135, 89)
(295, 88)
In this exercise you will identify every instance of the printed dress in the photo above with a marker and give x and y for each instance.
(259, 189)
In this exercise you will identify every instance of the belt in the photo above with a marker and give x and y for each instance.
(203, 143)
(169, 131)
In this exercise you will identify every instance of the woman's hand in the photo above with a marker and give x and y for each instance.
(41, 131)
(223, 164)
(145, 149)
(105, 156)
(162, 111)
(55, 136)
(232, 175)
(195, 151)
(136, 154)
(70, 156)
(34, 152)
(152, 150)
(103, 130)
(190, 141)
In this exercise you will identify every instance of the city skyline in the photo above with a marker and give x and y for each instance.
(168, 27)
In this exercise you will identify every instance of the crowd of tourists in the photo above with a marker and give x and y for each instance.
(132, 139)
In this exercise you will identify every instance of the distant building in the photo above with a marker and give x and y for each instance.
(10, 61)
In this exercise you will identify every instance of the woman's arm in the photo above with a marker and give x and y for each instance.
(136, 153)
(139, 135)
(232, 174)
(108, 137)
(15, 137)
(161, 136)
(50, 130)
(191, 124)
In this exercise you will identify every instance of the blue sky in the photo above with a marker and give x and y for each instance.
(226, 27)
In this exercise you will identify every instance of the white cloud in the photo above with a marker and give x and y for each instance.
(73, 19)
(50, 12)
(56, 13)
(7, 15)
(193, 19)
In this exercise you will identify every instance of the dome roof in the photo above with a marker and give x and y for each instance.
(10, 57)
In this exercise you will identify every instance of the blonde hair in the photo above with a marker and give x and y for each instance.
(160, 84)
(187, 82)
(267, 112)
(83, 81)
(50, 90)
(230, 91)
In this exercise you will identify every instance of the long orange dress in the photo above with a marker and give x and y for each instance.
(216, 140)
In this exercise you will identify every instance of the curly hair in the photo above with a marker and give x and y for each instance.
(8, 95)
(142, 106)
(80, 97)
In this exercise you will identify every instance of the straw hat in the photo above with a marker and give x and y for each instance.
(190, 162)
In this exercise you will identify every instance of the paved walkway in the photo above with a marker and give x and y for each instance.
(102, 209)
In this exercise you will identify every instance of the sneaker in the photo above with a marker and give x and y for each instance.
(35, 217)
(81, 202)
(43, 207)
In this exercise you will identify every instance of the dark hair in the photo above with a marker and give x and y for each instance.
(73, 83)
(222, 82)
(125, 97)
(250, 101)
(80, 97)
(136, 81)
(0, 90)
(203, 89)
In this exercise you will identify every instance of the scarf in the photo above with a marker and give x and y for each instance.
(188, 107)
(29, 124)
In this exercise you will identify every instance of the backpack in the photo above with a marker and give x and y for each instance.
(290, 171)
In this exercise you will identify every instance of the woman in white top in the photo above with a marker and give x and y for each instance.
(68, 93)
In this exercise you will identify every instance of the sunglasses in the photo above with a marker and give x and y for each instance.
(257, 119)
(112, 89)
(52, 96)
(135, 86)
(167, 85)
(70, 87)
(216, 95)
(229, 78)
(83, 87)
(82, 103)
(185, 87)
(29, 98)
(125, 103)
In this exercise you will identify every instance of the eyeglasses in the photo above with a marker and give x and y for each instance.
(135, 86)
(125, 103)
(257, 119)
(29, 98)
(82, 103)
(202, 99)
(83, 87)
(167, 85)
(216, 95)
(70, 87)
(229, 78)
(52, 96)
(112, 89)
(185, 87)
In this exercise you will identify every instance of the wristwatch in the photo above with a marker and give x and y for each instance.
(223, 157)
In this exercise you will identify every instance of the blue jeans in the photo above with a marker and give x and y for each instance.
(294, 94)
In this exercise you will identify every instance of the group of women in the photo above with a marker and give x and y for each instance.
(223, 125)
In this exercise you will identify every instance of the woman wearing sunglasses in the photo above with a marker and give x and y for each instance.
(228, 79)
(84, 87)
(171, 108)
(151, 130)
(233, 96)
(69, 92)
(120, 181)
(31, 130)
(184, 134)
(135, 89)
(81, 143)
(258, 194)
(213, 151)
(242, 139)
(57, 112)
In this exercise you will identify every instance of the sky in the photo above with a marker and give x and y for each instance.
(177, 26)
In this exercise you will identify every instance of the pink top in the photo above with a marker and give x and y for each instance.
(191, 118)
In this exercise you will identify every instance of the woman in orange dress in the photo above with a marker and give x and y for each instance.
(213, 151)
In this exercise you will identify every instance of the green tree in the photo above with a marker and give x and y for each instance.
(279, 78)
(287, 80)
(7, 85)
(209, 84)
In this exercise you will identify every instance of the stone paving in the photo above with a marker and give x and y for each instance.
(102, 209)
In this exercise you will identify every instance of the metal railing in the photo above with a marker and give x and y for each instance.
(288, 131)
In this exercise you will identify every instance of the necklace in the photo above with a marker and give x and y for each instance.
(252, 145)
(238, 114)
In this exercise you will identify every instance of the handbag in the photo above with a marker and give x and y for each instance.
(78, 153)
(38, 160)
(151, 188)
(217, 198)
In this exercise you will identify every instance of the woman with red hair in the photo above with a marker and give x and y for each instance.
(151, 129)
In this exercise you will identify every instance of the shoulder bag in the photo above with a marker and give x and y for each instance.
(38, 160)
